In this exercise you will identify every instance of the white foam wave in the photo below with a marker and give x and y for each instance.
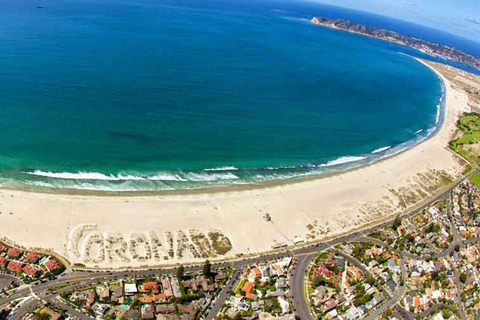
(227, 168)
(92, 187)
(342, 160)
(78, 176)
(104, 177)
(419, 131)
(210, 177)
(166, 177)
(381, 149)
(438, 114)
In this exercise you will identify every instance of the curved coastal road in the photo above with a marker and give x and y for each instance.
(297, 286)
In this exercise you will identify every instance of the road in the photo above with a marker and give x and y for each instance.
(297, 286)
(222, 298)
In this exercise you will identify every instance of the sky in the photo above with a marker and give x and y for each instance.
(459, 17)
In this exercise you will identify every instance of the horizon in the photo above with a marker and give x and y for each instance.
(459, 20)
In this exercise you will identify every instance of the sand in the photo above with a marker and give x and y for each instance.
(118, 232)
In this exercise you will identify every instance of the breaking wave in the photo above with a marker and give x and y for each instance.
(381, 149)
(343, 160)
(222, 169)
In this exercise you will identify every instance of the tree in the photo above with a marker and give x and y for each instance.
(207, 268)
(180, 272)
(397, 222)
(370, 280)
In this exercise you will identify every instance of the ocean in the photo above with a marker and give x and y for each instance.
(147, 95)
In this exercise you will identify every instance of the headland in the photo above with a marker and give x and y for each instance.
(430, 48)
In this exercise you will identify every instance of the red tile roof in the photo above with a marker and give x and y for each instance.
(14, 252)
(248, 287)
(3, 261)
(147, 299)
(51, 265)
(15, 266)
(31, 271)
(31, 257)
(417, 302)
(150, 286)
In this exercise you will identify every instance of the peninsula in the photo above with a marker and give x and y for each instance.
(430, 48)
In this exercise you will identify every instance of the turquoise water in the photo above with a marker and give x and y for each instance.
(146, 95)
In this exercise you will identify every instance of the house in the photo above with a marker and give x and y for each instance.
(281, 283)
(167, 288)
(258, 305)
(117, 312)
(352, 313)
(279, 270)
(332, 314)
(284, 305)
(102, 292)
(148, 312)
(116, 294)
(132, 315)
(31, 257)
(329, 305)
(15, 266)
(239, 303)
(176, 288)
(207, 288)
(149, 287)
(51, 265)
(161, 308)
(188, 309)
(14, 253)
(31, 271)
(247, 288)
(100, 309)
(219, 277)
(87, 296)
(130, 289)
(3, 261)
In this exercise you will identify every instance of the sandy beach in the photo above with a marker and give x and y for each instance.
(113, 232)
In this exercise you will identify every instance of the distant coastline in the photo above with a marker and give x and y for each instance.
(429, 48)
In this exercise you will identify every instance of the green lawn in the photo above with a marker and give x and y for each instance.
(469, 124)
(475, 179)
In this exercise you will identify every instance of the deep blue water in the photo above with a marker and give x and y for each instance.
(153, 95)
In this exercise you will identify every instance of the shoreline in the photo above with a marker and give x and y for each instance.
(276, 182)
(171, 229)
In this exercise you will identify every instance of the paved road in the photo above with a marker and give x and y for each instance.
(222, 298)
(297, 286)
(6, 280)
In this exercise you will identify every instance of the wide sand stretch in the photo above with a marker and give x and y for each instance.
(151, 230)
